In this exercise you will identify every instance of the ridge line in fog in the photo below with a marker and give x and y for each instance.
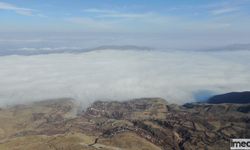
(76, 50)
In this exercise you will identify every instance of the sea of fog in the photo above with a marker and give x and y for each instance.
(115, 74)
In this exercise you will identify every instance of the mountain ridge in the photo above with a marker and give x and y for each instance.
(232, 97)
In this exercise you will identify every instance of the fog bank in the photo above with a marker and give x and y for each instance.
(120, 75)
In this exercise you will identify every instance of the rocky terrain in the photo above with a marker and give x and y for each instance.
(139, 124)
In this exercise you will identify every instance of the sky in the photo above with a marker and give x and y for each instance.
(161, 24)
(146, 16)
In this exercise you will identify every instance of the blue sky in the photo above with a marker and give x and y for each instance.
(158, 16)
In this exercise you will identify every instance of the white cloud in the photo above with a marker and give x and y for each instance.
(126, 15)
(225, 10)
(125, 22)
(121, 75)
(42, 16)
(92, 24)
(95, 10)
(113, 21)
(103, 13)
(19, 10)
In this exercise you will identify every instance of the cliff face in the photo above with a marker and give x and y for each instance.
(147, 123)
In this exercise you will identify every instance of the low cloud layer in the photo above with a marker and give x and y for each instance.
(120, 75)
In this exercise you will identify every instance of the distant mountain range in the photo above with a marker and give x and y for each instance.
(232, 47)
(57, 50)
(40, 51)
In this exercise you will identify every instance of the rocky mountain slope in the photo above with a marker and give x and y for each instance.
(233, 97)
(147, 123)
